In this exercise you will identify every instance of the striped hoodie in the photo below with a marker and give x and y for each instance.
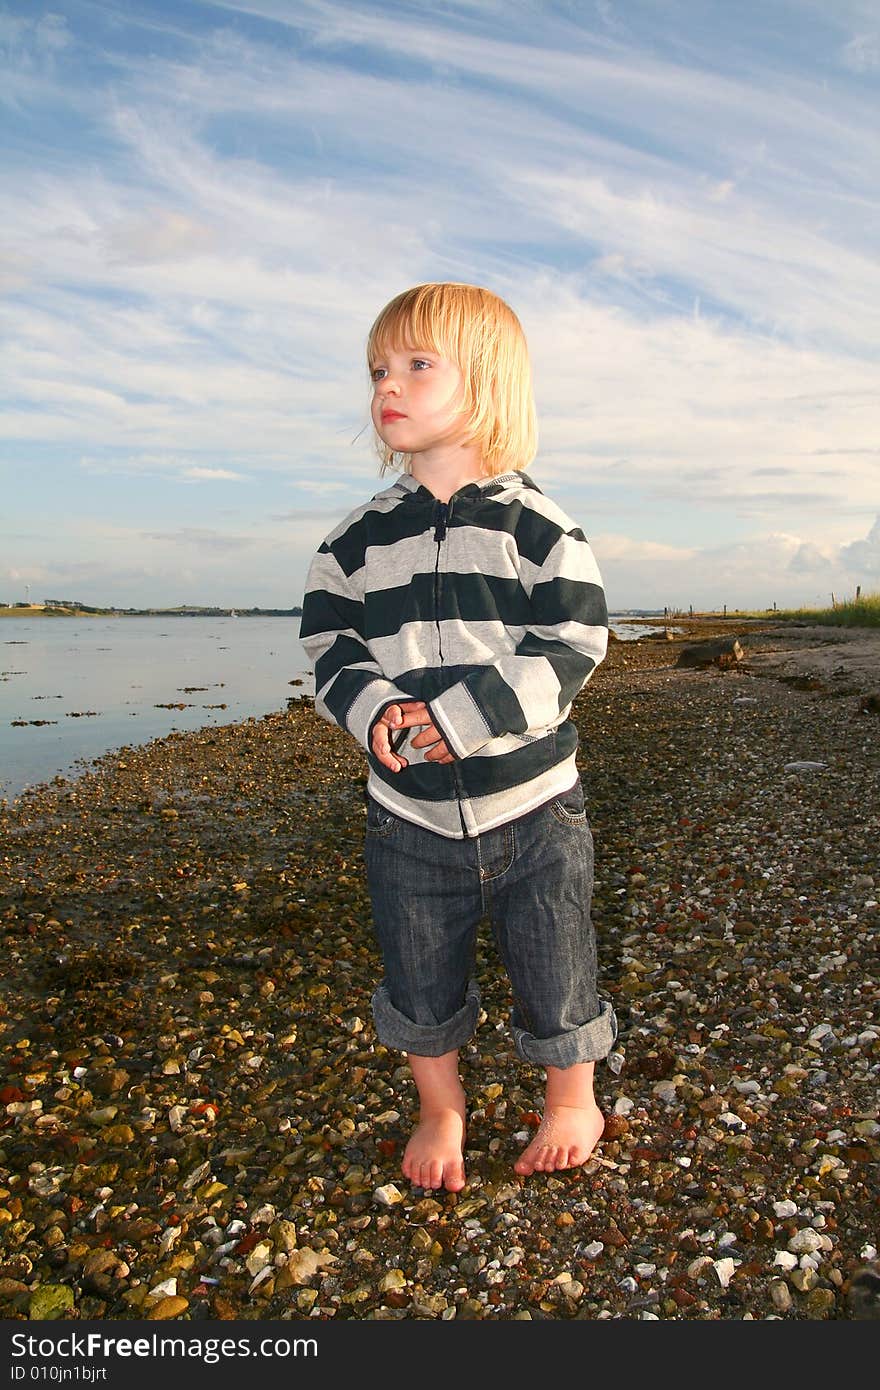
(490, 608)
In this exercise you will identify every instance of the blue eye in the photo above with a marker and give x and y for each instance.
(377, 373)
(419, 362)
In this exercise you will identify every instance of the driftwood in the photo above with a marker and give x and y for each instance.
(725, 653)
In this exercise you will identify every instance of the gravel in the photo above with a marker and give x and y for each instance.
(197, 1121)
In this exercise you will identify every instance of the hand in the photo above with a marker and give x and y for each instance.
(393, 718)
(407, 715)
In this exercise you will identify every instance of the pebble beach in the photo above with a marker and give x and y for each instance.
(196, 1119)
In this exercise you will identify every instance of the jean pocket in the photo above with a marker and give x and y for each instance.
(380, 822)
(569, 808)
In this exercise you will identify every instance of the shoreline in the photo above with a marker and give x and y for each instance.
(60, 612)
(192, 1066)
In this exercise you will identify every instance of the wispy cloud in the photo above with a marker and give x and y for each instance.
(217, 201)
(201, 539)
(862, 53)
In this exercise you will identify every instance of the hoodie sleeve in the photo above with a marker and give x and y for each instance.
(350, 688)
(532, 688)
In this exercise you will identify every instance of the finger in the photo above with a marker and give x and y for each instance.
(381, 741)
(381, 745)
(426, 738)
(392, 761)
(418, 715)
(439, 754)
(430, 734)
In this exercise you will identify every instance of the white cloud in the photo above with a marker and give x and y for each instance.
(773, 568)
(809, 559)
(208, 475)
(159, 234)
(862, 558)
(313, 487)
(201, 538)
(862, 54)
(160, 466)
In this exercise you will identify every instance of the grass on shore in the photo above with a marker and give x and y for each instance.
(857, 612)
(36, 610)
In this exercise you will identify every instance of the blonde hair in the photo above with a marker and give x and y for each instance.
(472, 327)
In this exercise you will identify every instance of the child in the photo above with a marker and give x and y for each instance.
(451, 621)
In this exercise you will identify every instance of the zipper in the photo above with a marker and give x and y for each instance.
(442, 517)
(442, 513)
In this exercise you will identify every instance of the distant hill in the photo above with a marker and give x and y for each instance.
(55, 608)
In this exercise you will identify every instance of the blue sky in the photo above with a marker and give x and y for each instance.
(204, 206)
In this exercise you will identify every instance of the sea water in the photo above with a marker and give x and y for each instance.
(100, 683)
(74, 688)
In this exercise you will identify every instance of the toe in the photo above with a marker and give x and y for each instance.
(434, 1171)
(454, 1177)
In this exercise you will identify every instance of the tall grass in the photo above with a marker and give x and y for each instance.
(857, 612)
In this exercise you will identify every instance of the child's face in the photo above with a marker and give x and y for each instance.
(416, 403)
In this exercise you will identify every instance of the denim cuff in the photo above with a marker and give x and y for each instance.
(394, 1029)
(590, 1043)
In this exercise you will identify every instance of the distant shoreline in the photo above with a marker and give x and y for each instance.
(59, 611)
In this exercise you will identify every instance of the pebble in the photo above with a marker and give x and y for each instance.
(388, 1195)
(781, 1295)
(731, 1120)
(593, 1250)
(725, 1270)
(785, 1259)
(171, 1307)
(50, 1301)
(785, 1208)
(819, 1303)
(805, 1241)
(167, 1288)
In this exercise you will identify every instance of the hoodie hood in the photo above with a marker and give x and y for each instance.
(409, 488)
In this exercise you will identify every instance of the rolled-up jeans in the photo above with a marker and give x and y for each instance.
(533, 878)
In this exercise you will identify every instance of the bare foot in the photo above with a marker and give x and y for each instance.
(434, 1154)
(566, 1137)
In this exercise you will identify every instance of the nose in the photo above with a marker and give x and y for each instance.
(387, 386)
